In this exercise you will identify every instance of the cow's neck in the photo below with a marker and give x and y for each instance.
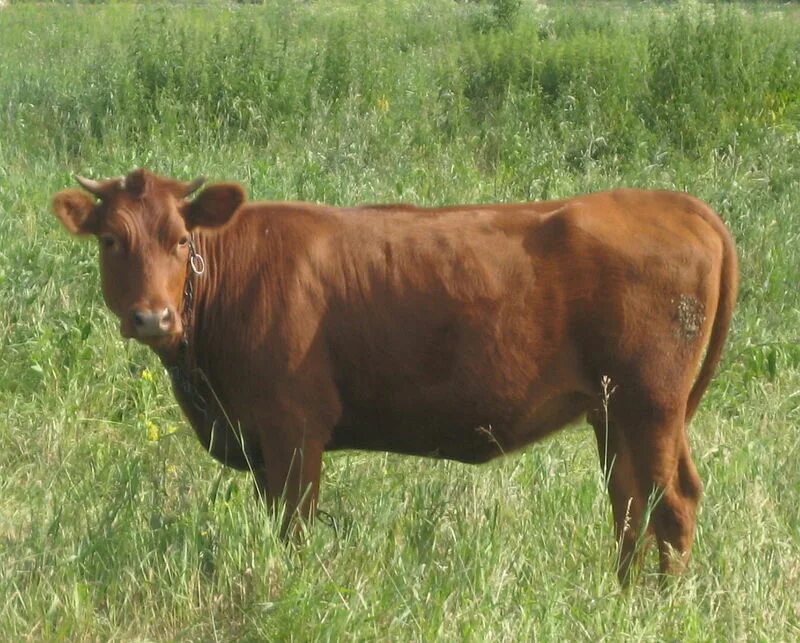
(187, 364)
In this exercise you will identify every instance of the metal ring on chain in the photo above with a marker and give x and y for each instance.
(197, 263)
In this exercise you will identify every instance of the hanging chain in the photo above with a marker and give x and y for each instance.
(181, 373)
(186, 376)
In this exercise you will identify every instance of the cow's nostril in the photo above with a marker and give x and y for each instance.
(165, 319)
(151, 323)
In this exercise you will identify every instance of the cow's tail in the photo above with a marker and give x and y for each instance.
(728, 287)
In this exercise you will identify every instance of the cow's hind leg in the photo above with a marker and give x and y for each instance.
(675, 516)
(667, 476)
(627, 501)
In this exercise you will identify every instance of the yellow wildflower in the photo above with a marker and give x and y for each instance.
(383, 104)
(153, 432)
(147, 375)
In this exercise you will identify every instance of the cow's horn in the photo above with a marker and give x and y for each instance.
(90, 185)
(194, 185)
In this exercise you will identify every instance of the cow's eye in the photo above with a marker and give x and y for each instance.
(183, 242)
(107, 241)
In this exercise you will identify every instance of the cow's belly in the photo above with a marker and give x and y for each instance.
(465, 439)
(464, 443)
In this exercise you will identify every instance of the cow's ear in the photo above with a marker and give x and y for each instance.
(214, 206)
(74, 209)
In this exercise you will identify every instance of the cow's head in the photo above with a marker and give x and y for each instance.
(143, 223)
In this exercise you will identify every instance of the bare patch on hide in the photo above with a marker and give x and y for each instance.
(689, 316)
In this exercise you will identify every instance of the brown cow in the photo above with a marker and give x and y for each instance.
(463, 332)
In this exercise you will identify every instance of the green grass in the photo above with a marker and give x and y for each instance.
(105, 533)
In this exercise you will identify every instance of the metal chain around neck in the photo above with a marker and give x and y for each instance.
(181, 372)
(196, 267)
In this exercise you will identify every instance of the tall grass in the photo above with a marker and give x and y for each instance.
(114, 524)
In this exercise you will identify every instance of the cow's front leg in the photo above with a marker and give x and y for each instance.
(289, 479)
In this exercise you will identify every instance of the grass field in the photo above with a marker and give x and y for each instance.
(113, 522)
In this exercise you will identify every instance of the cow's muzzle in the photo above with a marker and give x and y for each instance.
(153, 323)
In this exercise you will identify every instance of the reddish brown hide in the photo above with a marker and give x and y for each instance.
(459, 332)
